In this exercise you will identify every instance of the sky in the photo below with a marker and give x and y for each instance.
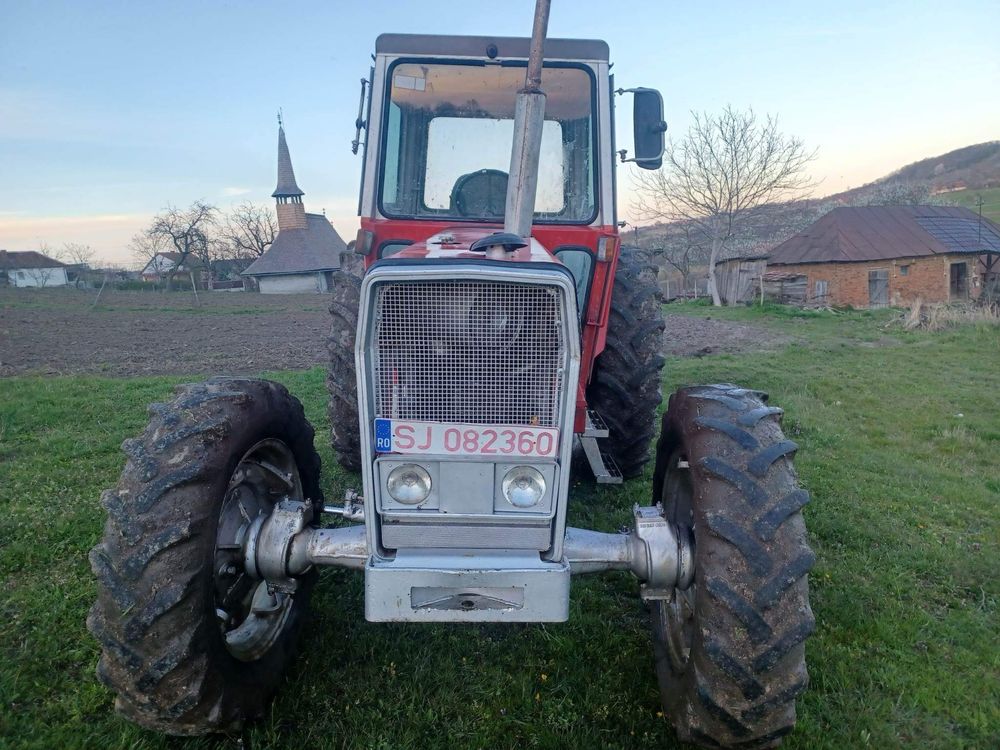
(110, 111)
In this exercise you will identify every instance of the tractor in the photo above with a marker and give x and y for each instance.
(495, 338)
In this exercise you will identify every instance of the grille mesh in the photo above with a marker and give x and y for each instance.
(469, 351)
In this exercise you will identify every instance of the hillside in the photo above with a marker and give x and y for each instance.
(970, 168)
(970, 199)
(958, 177)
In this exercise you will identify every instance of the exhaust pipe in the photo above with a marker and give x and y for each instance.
(529, 116)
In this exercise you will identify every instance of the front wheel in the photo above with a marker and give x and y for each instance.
(730, 654)
(191, 641)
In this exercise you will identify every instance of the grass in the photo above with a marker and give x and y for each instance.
(970, 199)
(899, 443)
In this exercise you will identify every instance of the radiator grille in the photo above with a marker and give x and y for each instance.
(469, 351)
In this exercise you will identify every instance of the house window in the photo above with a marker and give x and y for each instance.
(904, 270)
(820, 290)
(959, 281)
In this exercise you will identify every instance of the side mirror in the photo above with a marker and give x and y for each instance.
(648, 128)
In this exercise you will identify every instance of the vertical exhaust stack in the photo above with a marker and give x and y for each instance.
(529, 116)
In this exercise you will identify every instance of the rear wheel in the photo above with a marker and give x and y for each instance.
(191, 642)
(625, 385)
(730, 654)
(341, 378)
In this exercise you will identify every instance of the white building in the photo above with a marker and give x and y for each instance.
(307, 249)
(30, 268)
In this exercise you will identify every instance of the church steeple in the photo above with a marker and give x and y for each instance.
(287, 195)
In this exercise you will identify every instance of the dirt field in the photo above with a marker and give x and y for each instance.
(57, 332)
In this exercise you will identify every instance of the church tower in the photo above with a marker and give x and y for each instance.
(288, 195)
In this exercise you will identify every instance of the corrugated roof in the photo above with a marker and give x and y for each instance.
(315, 248)
(864, 233)
(27, 259)
(286, 175)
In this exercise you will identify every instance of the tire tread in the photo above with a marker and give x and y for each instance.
(747, 663)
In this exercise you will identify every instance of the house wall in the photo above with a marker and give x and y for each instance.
(928, 279)
(37, 277)
(293, 283)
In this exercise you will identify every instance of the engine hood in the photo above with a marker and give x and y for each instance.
(454, 244)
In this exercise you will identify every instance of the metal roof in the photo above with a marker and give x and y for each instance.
(315, 248)
(852, 234)
(961, 234)
(10, 259)
(434, 45)
(286, 176)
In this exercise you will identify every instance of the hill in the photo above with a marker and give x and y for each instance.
(969, 168)
(958, 177)
(970, 199)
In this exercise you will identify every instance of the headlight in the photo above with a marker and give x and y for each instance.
(409, 484)
(523, 486)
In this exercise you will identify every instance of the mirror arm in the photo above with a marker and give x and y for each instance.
(359, 123)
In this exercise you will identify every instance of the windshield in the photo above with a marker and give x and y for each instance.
(448, 134)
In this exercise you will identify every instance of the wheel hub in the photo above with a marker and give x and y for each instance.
(250, 613)
(675, 616)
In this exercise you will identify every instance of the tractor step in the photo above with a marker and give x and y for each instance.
(602, 464)
(596, 427)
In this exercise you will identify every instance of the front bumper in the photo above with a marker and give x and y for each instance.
(466, 586)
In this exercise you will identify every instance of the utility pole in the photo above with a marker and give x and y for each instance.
(979, 204)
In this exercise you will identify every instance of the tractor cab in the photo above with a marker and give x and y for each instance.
(438, 140)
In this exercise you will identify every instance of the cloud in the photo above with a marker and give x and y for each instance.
(231, 192)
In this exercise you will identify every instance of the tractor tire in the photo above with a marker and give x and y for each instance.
(341, 378)
(625, 384)
(190, 643)
(730, 648)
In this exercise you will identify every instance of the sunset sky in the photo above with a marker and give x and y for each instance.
(111, 110)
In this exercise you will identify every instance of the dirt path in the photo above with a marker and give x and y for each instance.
(55, 332)
(689, 336)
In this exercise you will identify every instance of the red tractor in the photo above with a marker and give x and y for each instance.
(498, 330)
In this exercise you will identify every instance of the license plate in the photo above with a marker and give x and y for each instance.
(402, 436)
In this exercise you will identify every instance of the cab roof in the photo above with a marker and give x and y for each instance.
(508, 48)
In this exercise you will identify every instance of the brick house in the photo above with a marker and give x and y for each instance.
(876, 256)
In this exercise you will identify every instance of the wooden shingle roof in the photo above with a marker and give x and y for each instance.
(287, 186)
(315, 248)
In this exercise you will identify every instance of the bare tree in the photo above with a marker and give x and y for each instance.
(684, 250)
(726, 166)
(79, 255)
(680, 246)
(145, 248)
(42, 276)
(248, 230)
(186, 232)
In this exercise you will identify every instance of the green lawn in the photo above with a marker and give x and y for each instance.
(970, 198)
(900, 447)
